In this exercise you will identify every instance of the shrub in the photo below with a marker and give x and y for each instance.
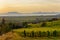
(24, 33)
(36, 34)
(43, 34)
(48, 34)
(39, 33)
(43, 24)
(25, 24)
(55, 33)
(32, 33)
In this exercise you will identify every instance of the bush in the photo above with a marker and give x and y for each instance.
(39, 34)
(43, 24)
(24, 33)
(43, 34)
(48, 34)
(25, 24)
(55, 33)
(32, 34)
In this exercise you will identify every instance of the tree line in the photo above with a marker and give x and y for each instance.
(41, 34)
(6, 27)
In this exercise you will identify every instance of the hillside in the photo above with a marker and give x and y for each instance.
(18, 34)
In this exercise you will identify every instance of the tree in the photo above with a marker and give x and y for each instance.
(32, 33)
(55, 33)
(8, 28)
(39, 33)
(0, 30)
(43, 34)
(48, 34)
(13, 26)
(4, 28)
(3, 21)
(24, 33)
(43, 24)
(36, 34)
(25, 24)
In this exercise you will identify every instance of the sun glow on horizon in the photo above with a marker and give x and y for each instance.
(29, 5)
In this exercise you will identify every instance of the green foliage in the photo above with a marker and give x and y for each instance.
(24, 33)
(32, 33)
(43, 24)
(40, 34)
(5, 28)
(48, 34)
(25, 24)
(43, 34)
(55, 33)
(47, 24)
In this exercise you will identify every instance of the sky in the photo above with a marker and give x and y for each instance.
(27, 6)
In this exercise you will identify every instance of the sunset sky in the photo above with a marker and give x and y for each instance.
(27, 6)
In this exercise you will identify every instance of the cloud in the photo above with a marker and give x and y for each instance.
(53, 1)
(32, 1)
(29, 5)
(5, 2)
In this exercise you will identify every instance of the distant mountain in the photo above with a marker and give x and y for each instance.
(31, 14)
(19, 17)
(46, 12)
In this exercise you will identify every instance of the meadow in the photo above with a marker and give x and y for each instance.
(50, 30)
(49, 27)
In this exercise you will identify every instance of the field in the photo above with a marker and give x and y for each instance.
(51, 26)
(37, 29)
(26, 18)
(15, 35)
(18, 34)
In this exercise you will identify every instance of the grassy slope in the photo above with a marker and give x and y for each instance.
(55, 25)
(51, 26)
(37, 29)
(14, 36)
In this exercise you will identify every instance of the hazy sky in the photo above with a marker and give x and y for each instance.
(29, 5)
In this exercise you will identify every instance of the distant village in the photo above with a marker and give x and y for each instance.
(29, 18)
(14, 22)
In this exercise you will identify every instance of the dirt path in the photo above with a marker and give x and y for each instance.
(9, 36)
(14, 36)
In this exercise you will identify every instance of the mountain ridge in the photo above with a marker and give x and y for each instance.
(30, 14)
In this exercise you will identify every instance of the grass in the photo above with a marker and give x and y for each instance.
(14, 36)
(19, 31)
(37, 29)
(51, 26)
(48, 24)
